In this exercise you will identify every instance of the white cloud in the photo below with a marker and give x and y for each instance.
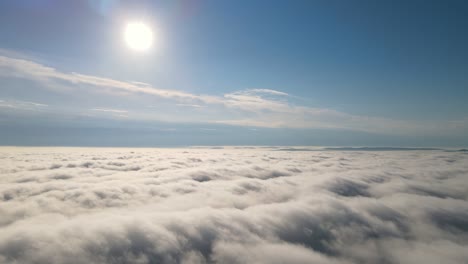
(191, 105)
(20, 68)
(109, 110)
(254, 107)
(22, 105)
(232, 205)
(268, 91)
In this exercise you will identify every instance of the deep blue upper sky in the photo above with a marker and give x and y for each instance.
(387, 60)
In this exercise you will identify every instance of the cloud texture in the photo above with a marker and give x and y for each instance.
(232, 205)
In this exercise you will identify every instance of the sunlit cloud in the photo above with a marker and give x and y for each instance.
(251, 107)
(268, 91)
(23, 105)
(233, 205)
(191, 105)
(109, 110)
(20, 68)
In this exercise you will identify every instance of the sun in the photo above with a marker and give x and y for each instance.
(138, 36)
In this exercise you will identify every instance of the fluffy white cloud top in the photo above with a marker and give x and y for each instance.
(232, 205)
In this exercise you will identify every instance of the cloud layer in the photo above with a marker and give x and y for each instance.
(232, 205)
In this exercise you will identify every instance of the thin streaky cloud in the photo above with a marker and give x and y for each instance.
(269, 91)
(109, 110)
(20, 68)
(191, 105)
(23, 105)
(241, 108)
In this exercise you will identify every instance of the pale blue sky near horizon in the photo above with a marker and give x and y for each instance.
(234, 73)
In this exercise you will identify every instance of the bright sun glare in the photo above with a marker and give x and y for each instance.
(138, 36)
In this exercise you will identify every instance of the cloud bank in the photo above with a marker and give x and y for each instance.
(232, 205)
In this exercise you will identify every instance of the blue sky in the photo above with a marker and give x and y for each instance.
(235, 72)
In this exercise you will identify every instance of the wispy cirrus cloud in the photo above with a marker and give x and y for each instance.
(191, 105)
(109, 110)
(20, 68)
(22, 105)
(268, 91)
(251, 107)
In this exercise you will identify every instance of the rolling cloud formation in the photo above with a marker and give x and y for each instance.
(232, 205)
